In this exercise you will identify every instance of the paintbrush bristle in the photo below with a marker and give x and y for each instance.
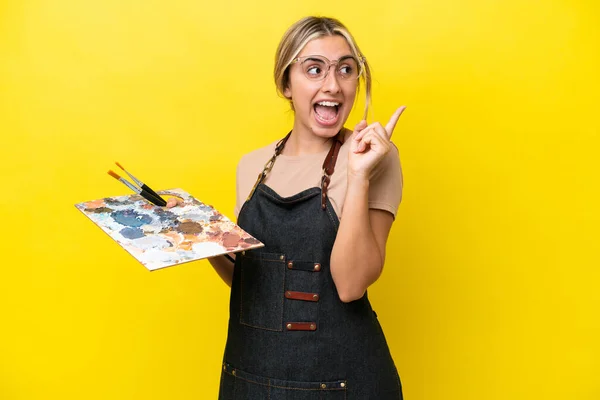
(120, 166)
(114, 174)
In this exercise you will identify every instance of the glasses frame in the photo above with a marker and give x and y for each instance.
(359, 62)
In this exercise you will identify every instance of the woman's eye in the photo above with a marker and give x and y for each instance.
(345, 70)
(314, 70)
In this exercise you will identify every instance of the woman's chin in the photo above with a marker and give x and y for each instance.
(326, 132)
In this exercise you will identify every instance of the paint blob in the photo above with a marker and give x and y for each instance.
(190, 228)
(230, 239)
(131, 218)
(99, 210)
(132, 233)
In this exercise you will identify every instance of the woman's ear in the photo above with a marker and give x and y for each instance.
(287, 92)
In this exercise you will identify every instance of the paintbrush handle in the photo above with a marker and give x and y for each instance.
(142, 185)
(159, 201)
(152, 192)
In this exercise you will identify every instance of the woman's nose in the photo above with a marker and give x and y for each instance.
(330, 83)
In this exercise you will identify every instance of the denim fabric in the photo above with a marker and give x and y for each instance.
(345, 357)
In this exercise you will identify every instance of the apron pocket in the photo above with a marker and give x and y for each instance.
(262, 289)
(237, 385)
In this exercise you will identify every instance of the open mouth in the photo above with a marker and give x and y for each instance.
(327, 112)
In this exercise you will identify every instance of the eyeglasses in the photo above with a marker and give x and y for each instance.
(316, 68)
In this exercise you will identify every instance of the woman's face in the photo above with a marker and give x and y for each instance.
(321, 106)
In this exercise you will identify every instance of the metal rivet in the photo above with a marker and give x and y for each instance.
(289, 326)
(281, 257)
(323, 386)
(224, 367)
(312, 327)
(290, 265)
(317, 267)
(233, 372)
(343, 384)
(315, 297)
(244, 252)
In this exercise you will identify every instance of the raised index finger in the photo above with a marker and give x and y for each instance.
(389, 128)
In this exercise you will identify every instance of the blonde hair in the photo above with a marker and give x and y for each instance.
(302, 32)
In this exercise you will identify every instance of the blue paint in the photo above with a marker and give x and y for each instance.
(132, 233)
(205, 208)
(201, 206)
(131, 218)
(165, 216)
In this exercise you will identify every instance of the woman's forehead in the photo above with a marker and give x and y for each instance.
(332, 47)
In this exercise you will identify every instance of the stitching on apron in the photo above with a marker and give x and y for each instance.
(332, 218)
(284, 387)
(261, 327)
(250, 255)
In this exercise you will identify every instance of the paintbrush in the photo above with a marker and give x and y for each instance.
(159, 201)
(140, 183)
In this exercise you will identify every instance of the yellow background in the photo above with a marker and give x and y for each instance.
(491, 288)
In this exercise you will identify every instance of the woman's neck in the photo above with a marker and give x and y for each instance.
(305, 143)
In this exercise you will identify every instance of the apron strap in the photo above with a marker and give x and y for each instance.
(328, 168)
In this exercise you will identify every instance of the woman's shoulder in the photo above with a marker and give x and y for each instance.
(257, 157)
(248, 169)
(251, 164)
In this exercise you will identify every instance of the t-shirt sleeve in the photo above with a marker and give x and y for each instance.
(385, 188)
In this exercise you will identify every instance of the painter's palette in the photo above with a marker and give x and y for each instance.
(161, 237)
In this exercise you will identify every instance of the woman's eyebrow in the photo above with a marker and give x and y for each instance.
(311, 57)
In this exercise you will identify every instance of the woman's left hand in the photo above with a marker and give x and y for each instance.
(370, 144)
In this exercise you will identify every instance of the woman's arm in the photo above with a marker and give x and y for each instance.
(358, 253)
(224, 268)
(359, 250)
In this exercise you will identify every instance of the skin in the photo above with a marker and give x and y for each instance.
(308, 135)
(357, 259)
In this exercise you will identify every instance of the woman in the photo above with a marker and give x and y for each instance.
(301, 325)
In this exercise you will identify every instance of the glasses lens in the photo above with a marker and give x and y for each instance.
(315, 67)
(348, 68)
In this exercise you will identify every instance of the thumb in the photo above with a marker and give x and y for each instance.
(360, 126)
(172, 202)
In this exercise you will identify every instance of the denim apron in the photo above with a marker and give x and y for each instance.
(290, 336)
